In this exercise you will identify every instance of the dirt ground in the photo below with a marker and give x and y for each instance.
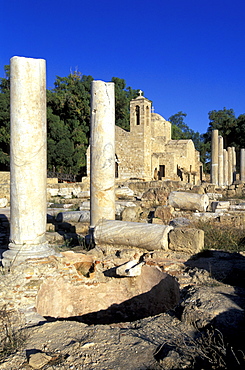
(205, 331)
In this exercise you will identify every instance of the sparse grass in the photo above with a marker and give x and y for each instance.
(207, 351)
(222, 237)
(12, 336)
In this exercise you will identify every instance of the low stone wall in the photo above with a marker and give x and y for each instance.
(78, 284)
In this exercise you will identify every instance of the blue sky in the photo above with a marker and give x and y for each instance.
(186, 55)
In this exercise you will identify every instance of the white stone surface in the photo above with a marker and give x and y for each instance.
(214, 157)
(84, 194)
(53, 192)
(28, 158)
(124, 192)
(225, 166)
(130, 268)
(102, 152)
(3, 202)
(221, 161)
(134, 234)
(233, 163)
(230, 165)
(217, 206)
(188, 201)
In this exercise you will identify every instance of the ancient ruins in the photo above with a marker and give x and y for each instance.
(147, 151)
(133, 223)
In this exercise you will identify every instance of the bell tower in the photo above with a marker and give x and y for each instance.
(140, 113)
(140, 133)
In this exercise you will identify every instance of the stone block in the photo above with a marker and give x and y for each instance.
(165, 213)
(220, 206)
(3, 202)
(186, 240)
(124, 192)
(131, 213)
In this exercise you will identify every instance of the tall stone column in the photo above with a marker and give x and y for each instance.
(221, 161)
(102, 153)
(242, 165)
(230, 165)
(233, 163)
(225, 167)
(214, 157)
(28, 158)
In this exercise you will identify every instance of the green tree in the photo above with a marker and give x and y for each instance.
(181, 131)
(240, 131)
(225, 121)
(68, 122)
(5, 120)
(123, 95)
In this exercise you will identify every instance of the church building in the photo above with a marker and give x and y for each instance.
(147, 152)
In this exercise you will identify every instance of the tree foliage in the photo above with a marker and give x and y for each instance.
(68, 119)
(225, 121)
(68, 116)
(5, 120)
(181, 131)
(123, 95)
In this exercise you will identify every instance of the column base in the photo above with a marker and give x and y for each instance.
(18, 253)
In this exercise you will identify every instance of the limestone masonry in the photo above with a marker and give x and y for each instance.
(147, 151)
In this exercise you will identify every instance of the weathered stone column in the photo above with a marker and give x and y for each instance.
(28, 169)
(221, 161)
(214, 157)
(242, 165)
(225, 167)
(230, 168)
(102, 152)
(233, 163)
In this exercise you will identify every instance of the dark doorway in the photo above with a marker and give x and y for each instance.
(161, 171)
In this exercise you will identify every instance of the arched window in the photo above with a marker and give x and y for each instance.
(137, 111)
(147, 116)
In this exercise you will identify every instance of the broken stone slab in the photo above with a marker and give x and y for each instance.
(205, 216)
(180, 222)
(73, 216)
(215, 196)
(220, 206)
(165, 213)
(53, 192)
(84, 194)
(65, 191)
(3, 202)
(134, 234)
(131, 213)
(238, 207)
(130, 268)
(186, 240)
(188, 201)
(85, 205)
(39, 359)
(124, 192)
